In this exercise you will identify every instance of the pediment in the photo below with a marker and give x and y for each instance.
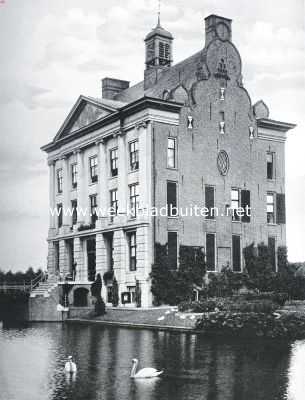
(84, 112)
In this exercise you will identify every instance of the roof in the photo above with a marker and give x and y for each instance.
(107, 102)
(273, 124)
(170, 77)
(159, 30)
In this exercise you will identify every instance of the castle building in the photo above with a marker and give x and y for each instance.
(187, 135)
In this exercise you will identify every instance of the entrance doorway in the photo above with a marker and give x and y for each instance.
(91, 256)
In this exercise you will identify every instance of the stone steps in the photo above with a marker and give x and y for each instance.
(43, 289)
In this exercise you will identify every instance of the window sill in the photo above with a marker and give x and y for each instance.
(133, 171)
(172, 168)
(271, 224)
(92, 183)
(173, 217)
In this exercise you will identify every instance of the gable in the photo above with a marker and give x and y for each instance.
(87, 115)
(85, 111)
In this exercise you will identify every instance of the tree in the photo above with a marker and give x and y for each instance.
(174, 286)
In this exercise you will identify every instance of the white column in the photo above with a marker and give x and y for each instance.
(103, 189)
(66, 197)
(103, 198)
(144, 165)
(78, 258)
(52, 223)
(80, 186)
(122, 176)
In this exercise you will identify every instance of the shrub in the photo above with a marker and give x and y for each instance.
(115, 293)
(175, 286)
(251, 325)
(99, 307)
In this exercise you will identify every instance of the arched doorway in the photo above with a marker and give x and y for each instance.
(80, 297)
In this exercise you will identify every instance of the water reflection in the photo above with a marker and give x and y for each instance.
(32, 365)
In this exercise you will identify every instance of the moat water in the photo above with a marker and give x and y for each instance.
(32, 360)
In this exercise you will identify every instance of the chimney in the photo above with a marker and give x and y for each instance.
(217, 28)
(111, 87)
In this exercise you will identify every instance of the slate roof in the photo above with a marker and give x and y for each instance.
(169, 79)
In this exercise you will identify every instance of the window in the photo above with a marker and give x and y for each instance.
(114, 162)
(164, 53)
(113, 203)
(210, 252)
(134, 155)
(270, 208)
(56, 255)
(59, 180)
(74, 211)
(93, 169)
(171, 153)
(270, 165)
(132, 291)
(235, 202)
(172, 248)
(59, 215)
(210, 201)
(172, 199)
(134, 199)
(74, 176)
(132, 243)
(236, 253)
(280, 208)
(93, 206)
(245, 200)
(271, 249)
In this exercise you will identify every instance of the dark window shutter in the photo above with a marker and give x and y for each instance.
(271, 249)
(171, 195)
(172, 249)
(280, 208)
(244, 202)
(210, 251)
(236, 253)
(209, 200)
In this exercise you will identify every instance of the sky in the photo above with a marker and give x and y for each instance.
(53, 51)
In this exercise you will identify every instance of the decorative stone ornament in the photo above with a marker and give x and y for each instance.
(251, 132)
(222, 127)
(223, 163)
(222, 93)
(190, 121)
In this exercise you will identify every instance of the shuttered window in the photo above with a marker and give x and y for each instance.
(210, 201)
(280, 208)
(172, 248)
(270, 165)
(171, 199)
(236, 254)
(210, 252)
(245, 205)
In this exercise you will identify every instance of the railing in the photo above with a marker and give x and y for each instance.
(25, 286)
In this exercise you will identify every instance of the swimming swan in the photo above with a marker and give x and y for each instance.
(144, 372)
(70, 366)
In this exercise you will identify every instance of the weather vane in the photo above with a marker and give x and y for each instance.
(159, 11)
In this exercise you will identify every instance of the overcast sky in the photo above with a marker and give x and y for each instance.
(52, 51)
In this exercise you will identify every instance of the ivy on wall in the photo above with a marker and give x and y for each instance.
(173, 286)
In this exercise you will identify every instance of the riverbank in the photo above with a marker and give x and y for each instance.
(286, 324)
(159, 318)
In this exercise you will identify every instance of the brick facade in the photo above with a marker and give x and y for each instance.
(202, 103)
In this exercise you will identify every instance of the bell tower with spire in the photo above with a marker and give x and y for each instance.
(158, 52)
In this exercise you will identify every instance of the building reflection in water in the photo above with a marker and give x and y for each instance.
(296, 372)
(194, 367)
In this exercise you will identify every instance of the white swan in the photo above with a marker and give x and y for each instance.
(70, 366)
(144, 372)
